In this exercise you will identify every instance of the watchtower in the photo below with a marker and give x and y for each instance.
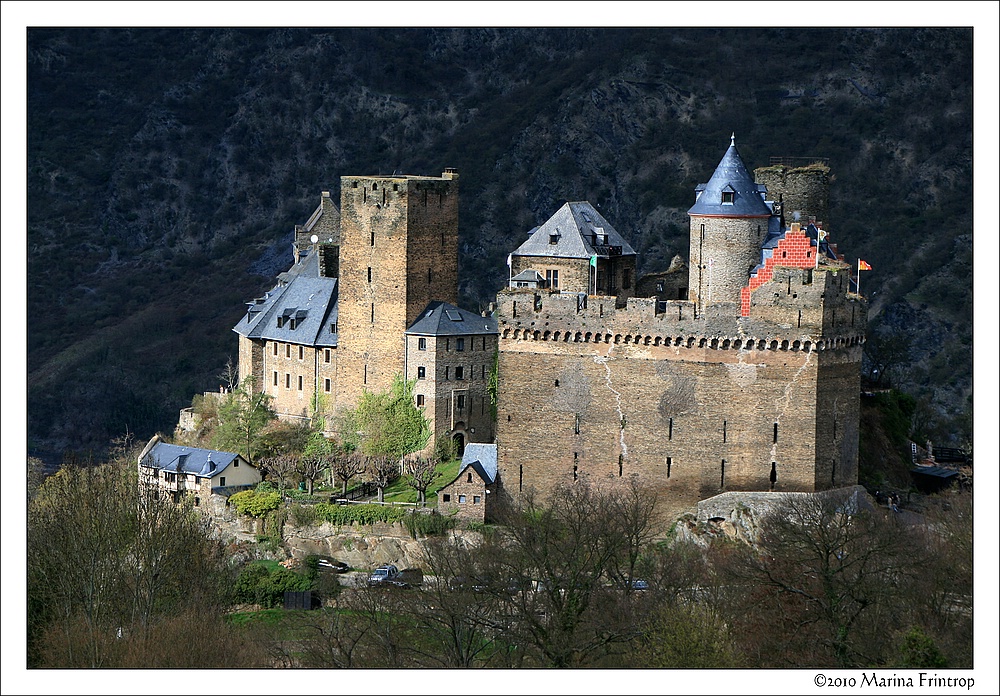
(729, 221)
(398, 252)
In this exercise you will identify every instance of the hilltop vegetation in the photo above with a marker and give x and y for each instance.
(166, 168)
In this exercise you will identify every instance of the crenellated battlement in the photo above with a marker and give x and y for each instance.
(797, 309)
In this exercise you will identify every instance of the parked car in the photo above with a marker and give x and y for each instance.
(384, 574)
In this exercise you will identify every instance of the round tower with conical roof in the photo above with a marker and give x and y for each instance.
(728, 224)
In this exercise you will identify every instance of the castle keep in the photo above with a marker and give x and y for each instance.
(751, 383)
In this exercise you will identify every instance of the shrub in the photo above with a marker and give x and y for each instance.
(362, 514)
(258, 585)
(427, 525)
(304, 515)
(254, 503)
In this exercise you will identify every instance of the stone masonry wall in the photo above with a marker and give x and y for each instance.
(722, 256)
(399, 250)
(691, 406)
(284, 368)
(804, 191)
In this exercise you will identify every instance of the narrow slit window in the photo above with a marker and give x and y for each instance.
(722, 478)
(774, 474)
(670, 429)
(775, 433)
(724, 425)
(670, 463)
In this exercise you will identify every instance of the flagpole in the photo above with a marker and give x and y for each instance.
(859, 276)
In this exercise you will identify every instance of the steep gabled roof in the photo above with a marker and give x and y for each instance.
(733, 177)
(573, 232)
(303, 298)
(482, 458)
(204, 463)
(445, 319)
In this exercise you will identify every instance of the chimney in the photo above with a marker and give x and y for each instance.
(450, 173)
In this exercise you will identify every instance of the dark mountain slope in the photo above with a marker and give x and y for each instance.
(166, 168)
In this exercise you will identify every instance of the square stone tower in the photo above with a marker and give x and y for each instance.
(398, 252)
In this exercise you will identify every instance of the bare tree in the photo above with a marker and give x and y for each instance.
(382, 470)
(311, 467)
(572, 546)
(824, 580)
(347, 465)
(280, 467)
(420, 474)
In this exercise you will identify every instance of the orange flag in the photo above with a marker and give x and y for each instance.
(863, 265)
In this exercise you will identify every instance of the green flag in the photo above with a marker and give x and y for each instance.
(593, 260)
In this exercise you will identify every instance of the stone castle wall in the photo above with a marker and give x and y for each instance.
(803, 191)
(693, 406)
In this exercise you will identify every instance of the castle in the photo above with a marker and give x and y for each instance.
(742, 375)
(370, 295)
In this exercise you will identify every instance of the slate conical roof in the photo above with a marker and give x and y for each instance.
(731, 176)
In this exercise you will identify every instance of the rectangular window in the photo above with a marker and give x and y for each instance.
(459, 344)
(461, 499)
(236, 464)
(446, 497)
(728, 196)
(369, 274)
(326, 385)
(552, 278)
(476, 499)
(373, 237)
(460, 402)
(275, 379)
(288, 381)
(421, 372)
(222, 480)
(300, 382)
(447, 344)
(420, 399)
(302, 352)
(421, 344)
(459, 372)
(288, 350)
(447, 372)
(326, 355)
(275, 344)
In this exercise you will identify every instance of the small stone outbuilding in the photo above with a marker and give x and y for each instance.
(471, 495)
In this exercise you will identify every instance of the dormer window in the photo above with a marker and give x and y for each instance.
(728, 197)
(554, 238)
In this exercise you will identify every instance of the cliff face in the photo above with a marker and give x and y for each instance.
(167, 168)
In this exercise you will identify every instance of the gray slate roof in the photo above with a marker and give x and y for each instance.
(574, 226)
(482, 458)
(529, 275)
(188, 460)
(445, 319)
(302, 294)
(731, 175)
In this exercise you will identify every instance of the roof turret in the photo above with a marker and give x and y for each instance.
(731, 191)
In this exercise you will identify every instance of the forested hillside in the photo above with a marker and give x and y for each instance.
(167, 168)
